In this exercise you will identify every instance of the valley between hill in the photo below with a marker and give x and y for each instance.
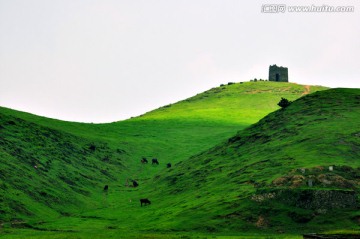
(52, 173)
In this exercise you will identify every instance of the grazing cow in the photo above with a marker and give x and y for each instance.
(155, 161)
(135, 184)
(106, 188)
(168, 165)
(145, 201)
(144, 160)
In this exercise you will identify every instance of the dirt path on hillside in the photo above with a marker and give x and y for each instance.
(307, 90)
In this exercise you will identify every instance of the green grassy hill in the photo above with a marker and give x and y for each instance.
(46, 172)
(180, 130)
(203, 193)
(254, 182)
(259, 179)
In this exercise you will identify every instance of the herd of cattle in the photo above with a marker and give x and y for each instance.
(144, 201)
(153, 161)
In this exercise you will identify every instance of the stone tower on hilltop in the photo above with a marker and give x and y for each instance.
(278, 73)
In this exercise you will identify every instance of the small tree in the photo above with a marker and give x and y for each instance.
(284, 103)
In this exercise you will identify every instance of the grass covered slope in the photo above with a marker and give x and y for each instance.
(259, 179)
(45, 173)
(70, 173)
(175, 132)
(243, 103)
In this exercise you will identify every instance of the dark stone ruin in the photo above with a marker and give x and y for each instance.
(278, 73)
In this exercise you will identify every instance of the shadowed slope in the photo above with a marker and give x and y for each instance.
(46, 173)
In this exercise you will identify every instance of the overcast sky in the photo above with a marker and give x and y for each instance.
(107, 60)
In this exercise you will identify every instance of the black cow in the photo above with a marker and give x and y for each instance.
(106, 188)
(135, 184)
(168, 165)
(155, 161)
(145, 201)
(144, 160)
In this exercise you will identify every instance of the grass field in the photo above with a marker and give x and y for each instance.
(53, 172)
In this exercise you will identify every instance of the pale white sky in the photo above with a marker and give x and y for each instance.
(107, 60)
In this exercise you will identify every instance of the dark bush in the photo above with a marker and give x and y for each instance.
(284, 103)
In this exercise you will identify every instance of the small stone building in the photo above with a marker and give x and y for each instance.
(278, 73)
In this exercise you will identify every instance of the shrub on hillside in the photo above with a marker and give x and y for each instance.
(284, 103)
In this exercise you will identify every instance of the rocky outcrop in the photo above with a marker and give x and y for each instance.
(311, 198)
(319, 199)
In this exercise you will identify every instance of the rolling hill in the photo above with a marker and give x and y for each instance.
(205, 191)
(180, 130)
(275, 174)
